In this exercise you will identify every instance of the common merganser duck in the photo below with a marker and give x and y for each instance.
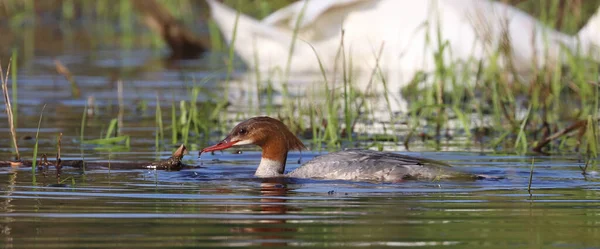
(409, 34)
(276, 140)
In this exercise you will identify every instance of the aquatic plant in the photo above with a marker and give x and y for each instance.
(35, 146)
(111, 138)
(9, 110)
(83, 123)
(160, 134)
(485, 103)
(14, 88)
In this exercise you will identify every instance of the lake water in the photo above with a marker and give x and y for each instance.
(220, 203)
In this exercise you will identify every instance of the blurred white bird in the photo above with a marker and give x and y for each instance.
(400, 37)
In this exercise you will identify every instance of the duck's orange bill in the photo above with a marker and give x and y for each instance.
(220, 146)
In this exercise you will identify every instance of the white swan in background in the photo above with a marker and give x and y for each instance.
(406, 32)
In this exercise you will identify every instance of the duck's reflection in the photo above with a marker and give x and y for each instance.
(271, 231)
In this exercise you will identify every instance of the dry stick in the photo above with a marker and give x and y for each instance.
(8, 106)
(584, 169)
(530, 178)
(121, 107)
(58, 160)
(58, 147)
(577, 125)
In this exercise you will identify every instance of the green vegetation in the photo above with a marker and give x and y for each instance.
(111, 140)
(484, 102)
(160, 134)
(83, 124)
(35, 146)
(513, 114)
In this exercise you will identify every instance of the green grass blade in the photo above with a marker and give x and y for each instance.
(35, 146)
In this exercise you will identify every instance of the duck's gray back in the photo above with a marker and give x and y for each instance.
(368, 165)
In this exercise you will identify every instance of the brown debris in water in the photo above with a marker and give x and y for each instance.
(180, 152)
(64, 71)
(44, 160)
(172, 163)
(16, 163)
(183, 43)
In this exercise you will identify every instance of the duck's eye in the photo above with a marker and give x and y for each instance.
(242, 131)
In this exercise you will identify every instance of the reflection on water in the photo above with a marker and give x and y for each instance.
(270, 231)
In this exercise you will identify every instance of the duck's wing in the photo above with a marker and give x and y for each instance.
(367, 165)
(288, 16)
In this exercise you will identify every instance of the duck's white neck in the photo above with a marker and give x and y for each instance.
(270, 168)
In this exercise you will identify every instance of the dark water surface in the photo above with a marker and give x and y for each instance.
(221, 203)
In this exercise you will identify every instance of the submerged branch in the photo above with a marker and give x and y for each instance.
(172, 163)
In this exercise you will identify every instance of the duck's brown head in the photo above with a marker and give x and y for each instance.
(270, 134)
